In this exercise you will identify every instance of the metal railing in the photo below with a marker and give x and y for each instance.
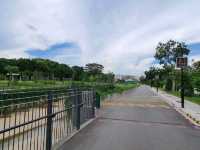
(40, 120)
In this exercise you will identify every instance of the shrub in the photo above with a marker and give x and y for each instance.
(169, 84)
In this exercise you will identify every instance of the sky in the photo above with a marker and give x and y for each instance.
(120, 34)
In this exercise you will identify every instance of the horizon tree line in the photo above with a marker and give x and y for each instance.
(45, 69)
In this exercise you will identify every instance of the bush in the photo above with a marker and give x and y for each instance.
(189, 89)
(197, 85)
(169, 84)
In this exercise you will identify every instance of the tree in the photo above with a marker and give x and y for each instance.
(94, 68)
(63, 71)
(150, 75)
(196, 66)
(166, 53)
(142, 79)
(108, 77)
(39, 69)
(77, 73)
(11, 69)
(25, 68)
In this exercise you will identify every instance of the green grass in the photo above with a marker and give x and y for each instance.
(17, 85)
(118, 88)
(30, 84)
(194, 99)
(121, 87)
(104, 89)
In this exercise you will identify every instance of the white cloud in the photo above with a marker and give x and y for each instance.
(122, 35)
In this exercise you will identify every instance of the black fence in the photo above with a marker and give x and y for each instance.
(40, 120)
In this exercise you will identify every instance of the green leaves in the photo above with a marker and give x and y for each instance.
(166, 53)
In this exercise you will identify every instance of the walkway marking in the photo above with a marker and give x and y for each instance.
(145, 122)
(153, 104)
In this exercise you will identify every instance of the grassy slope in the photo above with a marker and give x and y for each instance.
(31, 84)
(103, 88)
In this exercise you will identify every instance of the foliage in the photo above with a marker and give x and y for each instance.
(11, 69)
(44, 69)
(166, 53)
(196, 66)
(94, 68)
(169, 77)
(78, 73)
(168, 86)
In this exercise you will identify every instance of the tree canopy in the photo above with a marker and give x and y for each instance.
(94, 68)
(39, 69)
(166, 53)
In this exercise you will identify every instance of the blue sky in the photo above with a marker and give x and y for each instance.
(121, 35)
(60, 52)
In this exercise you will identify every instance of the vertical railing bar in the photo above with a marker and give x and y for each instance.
(78, 102)
(4, 126)
(53, 122)
(64, 123)
(15, 119)
(9, 130)
(38, 124)
(35, 125)
(31, 130)
(49, 123)
(19, 129)
(27, 134)
(44, 129)
(23, 127)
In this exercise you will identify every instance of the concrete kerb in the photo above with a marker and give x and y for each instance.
(190, 117)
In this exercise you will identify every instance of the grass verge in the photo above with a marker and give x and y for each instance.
(194, 99)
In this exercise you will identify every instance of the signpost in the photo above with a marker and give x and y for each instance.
(182, 62)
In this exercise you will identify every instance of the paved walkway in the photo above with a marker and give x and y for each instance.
(191, 110)
(136, 120)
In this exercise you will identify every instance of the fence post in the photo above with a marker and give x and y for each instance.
(78, 109)
(49, 122)
(98, 100)
(93, 102)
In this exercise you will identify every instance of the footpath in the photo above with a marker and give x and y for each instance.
(191, 110)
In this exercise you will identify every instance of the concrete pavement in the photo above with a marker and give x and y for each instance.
(136, 120)
(191, 110)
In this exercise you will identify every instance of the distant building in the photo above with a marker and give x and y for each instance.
(126, 78)
(13, 76)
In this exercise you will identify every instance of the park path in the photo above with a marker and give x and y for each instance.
(136, 120)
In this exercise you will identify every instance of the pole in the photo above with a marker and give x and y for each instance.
(182, 89)
(49, 123)
(78, 108)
